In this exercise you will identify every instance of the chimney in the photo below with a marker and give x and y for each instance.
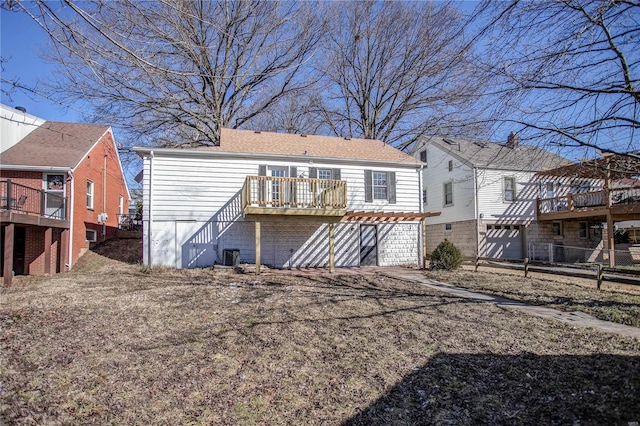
(513, 140)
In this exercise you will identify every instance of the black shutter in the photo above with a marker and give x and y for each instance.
(391, 187)
(335, 174)
(368, 186)
(262, 170)
(293, 171)
(313, 172)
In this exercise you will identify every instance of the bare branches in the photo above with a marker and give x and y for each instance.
(567, 71)
(175, 72)
(395, 70)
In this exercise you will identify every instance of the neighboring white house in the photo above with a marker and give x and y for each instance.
(486, 192)
(15, 125)
(282, 200)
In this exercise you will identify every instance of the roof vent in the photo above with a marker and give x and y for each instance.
(258, 132)
(481, 144)
(347, 139)
(304, 136)
(21, 108)
(448, 141)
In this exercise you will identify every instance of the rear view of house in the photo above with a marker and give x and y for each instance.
(61, 188)
(281, 200)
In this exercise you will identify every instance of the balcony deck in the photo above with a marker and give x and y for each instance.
(621, 203)
(303, 197)
(29, 206)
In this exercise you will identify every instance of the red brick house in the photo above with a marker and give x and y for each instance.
(62, 187)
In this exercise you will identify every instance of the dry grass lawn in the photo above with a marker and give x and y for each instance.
(113, 343)
(616, 303)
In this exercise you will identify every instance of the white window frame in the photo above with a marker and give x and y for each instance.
(95, 235)
(382, 188)
(444, 194)
(90, 194)
(448, 227)
(120, 205)
(511, 191)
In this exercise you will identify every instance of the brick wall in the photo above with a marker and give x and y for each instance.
(106, 199)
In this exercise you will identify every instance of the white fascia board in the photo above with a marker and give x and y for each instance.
(35, 168)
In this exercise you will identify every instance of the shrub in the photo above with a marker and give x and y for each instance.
(446, 256)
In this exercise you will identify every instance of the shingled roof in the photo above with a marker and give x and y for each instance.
(494, 155)
(248, 141)
(54, 144)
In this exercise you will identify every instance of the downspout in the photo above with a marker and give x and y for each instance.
(71, 210)
(104, 198)
(475, 210)
(149, 262)
(422, 243)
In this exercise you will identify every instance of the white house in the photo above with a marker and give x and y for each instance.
(486, 192)
(282, 200)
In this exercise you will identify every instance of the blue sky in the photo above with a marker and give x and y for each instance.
(21, 44)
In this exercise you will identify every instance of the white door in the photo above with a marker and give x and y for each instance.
(278, 189)
(54, 190)
(504, 241)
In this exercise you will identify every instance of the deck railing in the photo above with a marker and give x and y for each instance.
(572, 202)
(31, 201)
(284, 192)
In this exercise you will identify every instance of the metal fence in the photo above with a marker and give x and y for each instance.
(559, 253)
(32, 201)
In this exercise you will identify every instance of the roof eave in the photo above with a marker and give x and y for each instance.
(141, 151)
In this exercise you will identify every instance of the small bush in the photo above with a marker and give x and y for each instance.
(446, 256)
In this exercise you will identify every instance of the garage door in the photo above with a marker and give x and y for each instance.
(504, 241)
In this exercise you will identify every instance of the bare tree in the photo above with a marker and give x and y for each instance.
(396, 70)
(175, 72)
(566, 73)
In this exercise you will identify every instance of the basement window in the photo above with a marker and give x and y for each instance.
(91, 235)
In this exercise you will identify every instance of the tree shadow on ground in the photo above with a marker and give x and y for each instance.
(518, 389)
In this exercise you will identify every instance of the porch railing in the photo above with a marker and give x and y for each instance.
(572, 202)
(283, 192)
(32, 201)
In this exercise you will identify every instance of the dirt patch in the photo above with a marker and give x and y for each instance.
(620, 304)
(119, 343)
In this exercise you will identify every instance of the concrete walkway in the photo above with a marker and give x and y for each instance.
(580, 319)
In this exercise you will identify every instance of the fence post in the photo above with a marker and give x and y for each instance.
(550, 252)
(600, 271)
(477, 263)
(526, 267)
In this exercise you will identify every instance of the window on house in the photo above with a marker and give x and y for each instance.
(583, 230)
(91, 236)
(448, 194)
(423, 155)
(557, 229)
(450, 165)
(448, 227)
(424, 196)
(509, 189)
(380, 186)
(324, 174)
(90, 189)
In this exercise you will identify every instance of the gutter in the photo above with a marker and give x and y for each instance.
(36, 168)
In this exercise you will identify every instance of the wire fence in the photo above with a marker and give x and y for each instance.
(629, 256)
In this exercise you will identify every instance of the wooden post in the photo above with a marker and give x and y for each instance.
(257, 247)
(477, 263)
(424, 243)
(600, 273)
(610, 240)
(47, 250)
(8, 254)
(526, 267)
(331, 248)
